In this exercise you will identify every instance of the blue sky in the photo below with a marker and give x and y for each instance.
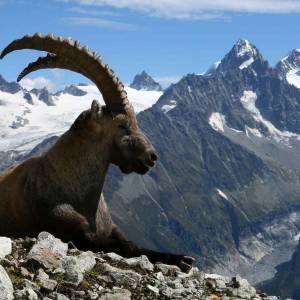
(167, 38)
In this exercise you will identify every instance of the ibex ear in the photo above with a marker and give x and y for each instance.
(95, 108)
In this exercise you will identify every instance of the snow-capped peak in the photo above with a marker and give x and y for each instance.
(289, 67)
(243, 47)
(243, 55)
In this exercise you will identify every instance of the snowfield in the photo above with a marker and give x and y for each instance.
(24, 125)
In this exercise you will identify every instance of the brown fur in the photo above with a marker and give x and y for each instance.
(61, 191)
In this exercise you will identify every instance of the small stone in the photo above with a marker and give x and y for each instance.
(76, 266)
(26, 293)
(29, 284)
(167, 291)
(167, 269)
(24, 272)
(113, 256)
(5, 246)
(175, 284)
(92, 295)
(41, 276)
(122, 277)
(48, 251)
(79, 293)
(120, 294)
(159, 276)
(6, 287)
(153, 289)
(49, 284)
(58, 296)
(142, 262)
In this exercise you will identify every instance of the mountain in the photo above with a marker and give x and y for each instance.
(145, 82)
(72, 90)
(28, 119)
(226, 186)
(289, 67)
(286, 282)
(9, 87)
(243, 55)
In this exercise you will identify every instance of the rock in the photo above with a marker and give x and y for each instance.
(167, 269)
(142, 262)
(74, 274)
(76, 266)
(118, 294)
(5, 247)
(48, 284)
(167, 291)
(58, 296)
(26, 293)
(41, 276)
(159, 276)
(48, 251)
(6, 287)
(113, 256)
(153, 289)
(92, 295)
(122, 277)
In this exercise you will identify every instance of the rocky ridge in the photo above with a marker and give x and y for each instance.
(46, 268)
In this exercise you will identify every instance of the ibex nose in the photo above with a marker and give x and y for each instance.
(151, 157)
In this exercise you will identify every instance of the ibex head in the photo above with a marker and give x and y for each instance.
(116, 122)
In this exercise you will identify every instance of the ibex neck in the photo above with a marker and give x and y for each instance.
(80, 162)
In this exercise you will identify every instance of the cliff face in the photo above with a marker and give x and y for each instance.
(46, 268)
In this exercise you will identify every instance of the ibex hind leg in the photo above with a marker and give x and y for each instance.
(69, 225)
(117, 243)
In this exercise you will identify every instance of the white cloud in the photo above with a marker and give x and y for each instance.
(93, 12)
(99, 22)
(198, 9)
(38, 83)
(167, 80)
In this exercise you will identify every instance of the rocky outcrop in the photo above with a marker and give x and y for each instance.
(72, 90)
(46, 268)
(145, 82)
(9, 87)
(44, 95)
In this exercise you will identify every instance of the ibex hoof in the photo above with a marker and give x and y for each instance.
(186, 263)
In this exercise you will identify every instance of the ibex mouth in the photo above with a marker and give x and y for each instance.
(142, 167)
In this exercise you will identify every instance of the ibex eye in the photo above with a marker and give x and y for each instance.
(123, 127)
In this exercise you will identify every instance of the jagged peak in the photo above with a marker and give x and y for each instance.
(241, 56)
(292, 54)
(244, 46)
(143, 81)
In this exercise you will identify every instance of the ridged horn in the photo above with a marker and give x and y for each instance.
(70, 55)
(49, 62)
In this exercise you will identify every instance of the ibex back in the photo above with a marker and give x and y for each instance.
(61, 191)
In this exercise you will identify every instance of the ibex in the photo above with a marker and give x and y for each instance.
(61, 191)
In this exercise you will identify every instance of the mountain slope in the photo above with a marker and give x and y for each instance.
(225, 193)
